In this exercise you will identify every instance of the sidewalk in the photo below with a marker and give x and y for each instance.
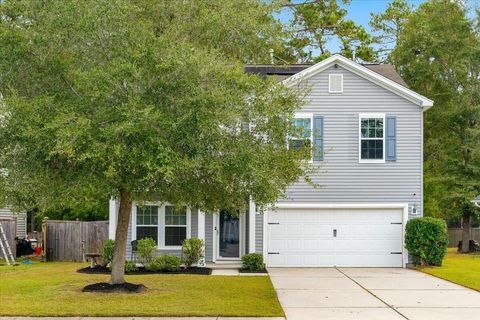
(140, 318)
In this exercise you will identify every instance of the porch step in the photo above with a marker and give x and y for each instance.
(224, 265)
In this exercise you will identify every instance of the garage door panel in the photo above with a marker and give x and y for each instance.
(365, 237)
(372, 260)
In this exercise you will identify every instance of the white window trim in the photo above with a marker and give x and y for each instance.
(365, 116)
(304, 115)
(161, 224)
(330, 81)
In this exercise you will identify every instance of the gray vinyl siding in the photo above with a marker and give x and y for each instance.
(341, 177)
(259, 233)
(194, 224)
(209, 237)
(21, 220)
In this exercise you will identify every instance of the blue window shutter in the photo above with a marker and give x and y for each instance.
(391, 139)
(317, 138)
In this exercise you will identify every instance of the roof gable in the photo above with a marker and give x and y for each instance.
(364, 72)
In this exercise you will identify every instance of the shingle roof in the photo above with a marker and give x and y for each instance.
(284, 71)
(388, 71)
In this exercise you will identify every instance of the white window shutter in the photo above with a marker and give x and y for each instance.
(335, 83)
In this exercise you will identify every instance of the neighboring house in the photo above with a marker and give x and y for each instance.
(476, 201)
(21, 218)
(370, 127)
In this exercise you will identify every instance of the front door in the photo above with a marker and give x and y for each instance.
(228, 236)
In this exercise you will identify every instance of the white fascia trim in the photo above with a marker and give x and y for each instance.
(318, 205)
(348, 64)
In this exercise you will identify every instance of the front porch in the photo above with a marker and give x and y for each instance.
(227, 238)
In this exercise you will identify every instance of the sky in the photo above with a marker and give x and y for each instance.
(359, 11)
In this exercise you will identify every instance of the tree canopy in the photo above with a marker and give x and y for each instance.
(438, 56)
(315, 24)
(143, 100)
(387, 27)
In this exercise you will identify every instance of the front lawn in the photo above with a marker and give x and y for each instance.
(54, 289)
(463, 269)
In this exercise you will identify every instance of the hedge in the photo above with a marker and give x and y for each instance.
(426, 239)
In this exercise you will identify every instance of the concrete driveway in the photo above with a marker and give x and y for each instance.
(371, 293)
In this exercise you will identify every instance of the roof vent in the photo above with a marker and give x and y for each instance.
(335, 83)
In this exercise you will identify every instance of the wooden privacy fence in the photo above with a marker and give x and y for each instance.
(10, 227)
(70, 240)
(455, 235)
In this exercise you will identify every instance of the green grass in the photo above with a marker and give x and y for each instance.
(463, 269)
(54, 289)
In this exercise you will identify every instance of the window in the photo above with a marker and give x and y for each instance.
(175, 225)
(303, 134)
(147, 222)
(372, 139)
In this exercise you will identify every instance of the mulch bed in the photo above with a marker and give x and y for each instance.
(251, 271)
(141, 270)
(109, 288)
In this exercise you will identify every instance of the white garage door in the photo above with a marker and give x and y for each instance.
(335, 237)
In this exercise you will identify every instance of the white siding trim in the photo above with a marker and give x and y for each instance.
(318, 205)
(404, 251)
(215, 236)
(134, 221)
(112, 218)
(201, 225)
(251, 226)
(422, 208)
(265, 236)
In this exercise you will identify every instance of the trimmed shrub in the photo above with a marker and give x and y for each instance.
(130, 266)
(108, 249)
(146, 249)
(426, 239)
(192, 251)
(164, 263)
(253, 262)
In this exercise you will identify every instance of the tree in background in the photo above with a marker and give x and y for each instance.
(438, 54)
(143, 100)
(388, 26)
(315, 24)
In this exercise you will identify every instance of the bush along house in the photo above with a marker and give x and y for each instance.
(369, 126)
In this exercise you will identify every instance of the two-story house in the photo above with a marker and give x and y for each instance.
(369, 125)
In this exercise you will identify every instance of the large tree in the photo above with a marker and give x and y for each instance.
(143, 100)
(317, 26)
(438, 55)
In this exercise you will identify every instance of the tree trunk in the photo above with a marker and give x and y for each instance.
(118, 261)
(466, 233)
